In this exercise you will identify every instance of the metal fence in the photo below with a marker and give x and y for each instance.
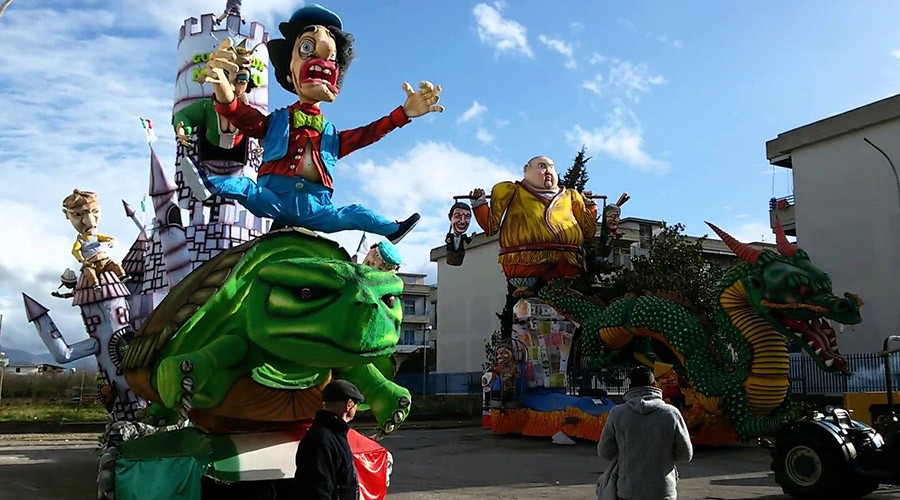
(805, 377)
(441, 383)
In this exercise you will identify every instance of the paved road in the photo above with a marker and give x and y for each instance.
(458, 464)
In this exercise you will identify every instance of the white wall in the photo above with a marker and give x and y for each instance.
(469, 297)
(848, 220)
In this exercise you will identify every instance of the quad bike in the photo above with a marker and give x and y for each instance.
(832, 456)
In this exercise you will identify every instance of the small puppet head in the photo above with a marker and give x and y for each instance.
(540, 173)
(383, 256)
(68, 279)
(611, 218)
(314, 54)
(83, 210)
(460, 216)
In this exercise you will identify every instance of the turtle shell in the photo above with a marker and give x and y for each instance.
(191, 293)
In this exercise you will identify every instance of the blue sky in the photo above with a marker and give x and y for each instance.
(674, 103)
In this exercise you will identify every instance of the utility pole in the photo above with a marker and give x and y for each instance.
(4, 361)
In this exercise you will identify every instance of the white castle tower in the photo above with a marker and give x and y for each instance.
(186, 232)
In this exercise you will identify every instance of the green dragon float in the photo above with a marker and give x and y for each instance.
(739, 365)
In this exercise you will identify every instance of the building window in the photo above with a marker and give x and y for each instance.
(409, 306)
(646, 234)
(409, 337)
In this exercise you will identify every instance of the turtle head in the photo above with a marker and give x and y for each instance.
(323, 312)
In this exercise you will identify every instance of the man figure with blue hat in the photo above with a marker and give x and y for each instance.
(383, 256)
(301, 147)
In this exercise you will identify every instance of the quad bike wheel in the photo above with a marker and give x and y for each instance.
(810, 465)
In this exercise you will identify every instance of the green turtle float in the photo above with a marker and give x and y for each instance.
(249, 339)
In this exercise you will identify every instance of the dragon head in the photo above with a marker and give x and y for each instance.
(795, 297)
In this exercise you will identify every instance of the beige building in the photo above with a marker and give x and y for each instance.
(845, 210)
(417, 327)
(470, 296)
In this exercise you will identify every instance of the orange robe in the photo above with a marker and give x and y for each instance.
(539, 236)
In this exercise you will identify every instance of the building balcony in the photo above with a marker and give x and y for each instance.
(416, 289)
(420, 319)
(783, 208)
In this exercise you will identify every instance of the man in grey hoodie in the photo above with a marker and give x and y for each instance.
(649, 437)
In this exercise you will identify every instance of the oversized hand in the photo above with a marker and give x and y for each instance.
(422, 102)
(587, 198)
(477, 194)
(221, 70)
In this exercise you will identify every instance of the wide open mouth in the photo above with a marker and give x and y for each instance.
(820, 339)
(321, 72)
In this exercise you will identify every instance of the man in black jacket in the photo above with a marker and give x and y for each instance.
(325, 469)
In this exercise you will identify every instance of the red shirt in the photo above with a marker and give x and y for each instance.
(252, 122)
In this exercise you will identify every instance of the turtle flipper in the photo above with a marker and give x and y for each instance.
(200, 378)
(389, 402)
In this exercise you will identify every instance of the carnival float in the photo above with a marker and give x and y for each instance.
(729, 377)
(217, 332)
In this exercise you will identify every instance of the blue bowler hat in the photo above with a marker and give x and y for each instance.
(307, 16)
(389, 253)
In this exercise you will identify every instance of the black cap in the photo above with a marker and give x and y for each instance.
(341, 390)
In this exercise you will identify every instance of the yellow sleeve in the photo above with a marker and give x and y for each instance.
(102, 238)
(76, 251)
(501, 195)
(586, 217)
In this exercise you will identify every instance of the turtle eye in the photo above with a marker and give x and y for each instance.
(389, 300)
(310, 293)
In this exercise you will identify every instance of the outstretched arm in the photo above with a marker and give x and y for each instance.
(489, 216)
(585, 212)
(245, 117)
(358, 138)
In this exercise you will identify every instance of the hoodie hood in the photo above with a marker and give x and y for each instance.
(644, 400)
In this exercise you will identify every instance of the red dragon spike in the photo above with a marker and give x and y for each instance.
(742, 250)
(784, 246)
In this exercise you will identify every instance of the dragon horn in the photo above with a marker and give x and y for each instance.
(783, 246)
(742, 250)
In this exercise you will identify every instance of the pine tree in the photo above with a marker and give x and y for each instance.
(576, 177)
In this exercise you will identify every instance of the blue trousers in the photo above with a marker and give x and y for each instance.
(294, 201)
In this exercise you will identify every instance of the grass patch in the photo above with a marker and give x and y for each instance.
(52, 412)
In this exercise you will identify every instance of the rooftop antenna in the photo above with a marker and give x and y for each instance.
(888, 158)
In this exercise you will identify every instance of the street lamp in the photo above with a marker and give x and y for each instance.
(4, 362)
(888, 158)
(425, 358)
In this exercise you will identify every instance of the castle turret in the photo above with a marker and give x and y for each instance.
(168, 224)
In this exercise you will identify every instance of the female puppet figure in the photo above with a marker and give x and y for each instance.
(460, 216)
(301, 147)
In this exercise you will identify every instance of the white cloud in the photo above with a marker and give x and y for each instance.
(743, 216)
(502, 34)
(577, 27)
(677, 44)
(168, 15)
(562, 47)
(746, 232)
(501, 123)
(895, 54)
(618, 140)
(484, 136)
(474, 111)
(597, 58)
(625, 78)
(432, 173)
(628, 24)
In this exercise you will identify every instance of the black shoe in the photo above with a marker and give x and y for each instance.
(276, 225)
(405, 227)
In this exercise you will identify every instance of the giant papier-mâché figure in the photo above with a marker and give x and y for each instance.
(220, 142)
(542, 225)
(460, 216)
(82, 208)
(768, 301)
(249, 339)
(301, 147)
